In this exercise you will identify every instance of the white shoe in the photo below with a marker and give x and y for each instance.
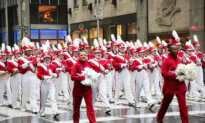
(42, 115)
(138, 105)
(108, 110)
(23, 110)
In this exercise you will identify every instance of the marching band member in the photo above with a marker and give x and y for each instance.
(121, 62)
(172, 86)
(86, 47)
(8, 84)
(154, 73)
(61, 81)
(4, 77)
(109, 77)
(192, 86)
(27, 67)
(70, 63)
(196, 44)
(46, 73)
(99, 65)
(80, 91)
(133, 72)
(142, 82)
(15, 76)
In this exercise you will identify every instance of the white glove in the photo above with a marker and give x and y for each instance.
(140, 66)
(102, 68)
(25, 65)
(145, 66)
(59, 69)
(106, 71)
(16, 70)
(151, 65)
(47, 77)
(1, 72)
(54, 75)
(123, 65)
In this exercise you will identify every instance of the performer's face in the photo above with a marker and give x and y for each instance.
(98, 55)
(4, 57)
(189, 52)
(106, 55)
(17, 55)
(153, 53)
(61, 56)
(87, 49)
(122, 50)
(28, 53)
(160, 49)
(179, 46)
(197, 48)
(135, 54)
(83, 56)
(75, 53)
(69, 48)
(142, 54)
(35, 52)
(47, 60)
(9, 57)
(174, 51)
(114, 48)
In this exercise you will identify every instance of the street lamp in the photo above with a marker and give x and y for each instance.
(98, 15)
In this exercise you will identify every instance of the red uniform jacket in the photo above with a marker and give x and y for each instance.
(3, 66)
(98, 65)
(138, 65)
(91, 56)
(171, 84)
(118, 60)
(31, 67)
(44, 70)
(69, 64)
(79, 89)
(59, 64)
(12, 65)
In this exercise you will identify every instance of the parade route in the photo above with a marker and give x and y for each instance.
(119, 114)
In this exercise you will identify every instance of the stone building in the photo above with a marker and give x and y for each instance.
(119, 18)
(143, 19)
(40, 20)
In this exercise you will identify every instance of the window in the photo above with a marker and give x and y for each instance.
(34, 34)
(34, 14)
(47, 14)
(85, 2)
(76, 3)
(2, 4)
(34, 1)
(96, 1)
(62, 2)
(16, 36)
(62, 34)
(4, 37)
(2, 18)
(54, 2)
(62, 14)
(45, 2)
(48, 34)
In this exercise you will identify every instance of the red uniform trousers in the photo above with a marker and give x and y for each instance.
(182, 106)
(89, 107)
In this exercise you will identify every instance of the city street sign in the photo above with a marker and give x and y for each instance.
(23, 28)
(99, 13)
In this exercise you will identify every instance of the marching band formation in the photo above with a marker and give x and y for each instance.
(132, 69)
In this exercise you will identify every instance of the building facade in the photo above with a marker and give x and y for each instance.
(40, 20)
(119, 18)
(51, 20)
(143, 19)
